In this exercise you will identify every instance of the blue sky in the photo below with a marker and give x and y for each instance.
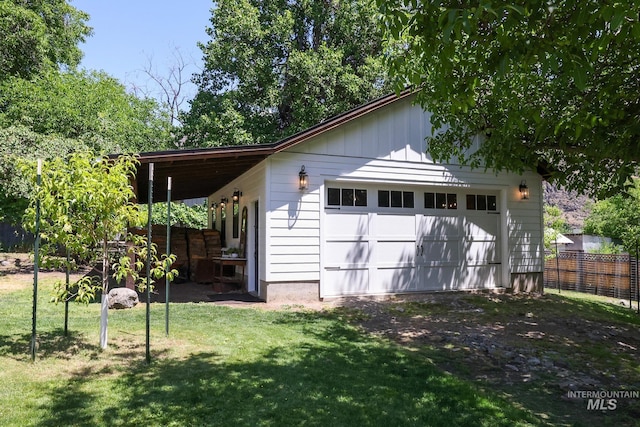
(127, 33)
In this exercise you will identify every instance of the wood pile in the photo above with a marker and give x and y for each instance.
(191, 246)
(212, 243)
(180, 248)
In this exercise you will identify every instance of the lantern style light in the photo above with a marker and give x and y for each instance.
(236, 195)
(223, 202)
(524, 190)
(303, 178)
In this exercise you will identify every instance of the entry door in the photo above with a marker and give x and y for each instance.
(256, 254)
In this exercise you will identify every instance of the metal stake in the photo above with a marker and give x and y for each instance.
(167, 252)
(36, 264)
(66, 300)
(149, 203)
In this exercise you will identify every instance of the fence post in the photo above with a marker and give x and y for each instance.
(558, 264)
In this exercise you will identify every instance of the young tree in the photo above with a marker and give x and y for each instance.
(85, 203)
(546, 83)
(273, 68)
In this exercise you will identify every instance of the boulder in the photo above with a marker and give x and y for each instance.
(122, 298)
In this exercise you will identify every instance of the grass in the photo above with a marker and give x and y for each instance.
(223, 366)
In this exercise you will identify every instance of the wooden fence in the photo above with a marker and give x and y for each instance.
(609, 275)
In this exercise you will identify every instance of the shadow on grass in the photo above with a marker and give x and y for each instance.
(339, 378)
(49, 344)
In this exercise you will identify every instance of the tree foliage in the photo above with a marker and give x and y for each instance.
(617, 217)
(48, 108)
(181, 214)
(53, 114)
(90, 107)
(547, 84)
(39, 35)
(273, 68)
(20, 142)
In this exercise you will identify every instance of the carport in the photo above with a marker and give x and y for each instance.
(195, 173)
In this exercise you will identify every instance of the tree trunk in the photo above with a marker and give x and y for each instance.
(104, 308)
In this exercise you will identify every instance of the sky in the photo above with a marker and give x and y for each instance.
(129, 34)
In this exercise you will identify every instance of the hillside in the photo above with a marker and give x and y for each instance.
(575, 206)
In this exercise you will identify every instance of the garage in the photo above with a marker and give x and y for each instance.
(356, 206)
(386, 240)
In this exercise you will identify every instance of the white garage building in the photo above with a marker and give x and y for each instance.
(378, 216)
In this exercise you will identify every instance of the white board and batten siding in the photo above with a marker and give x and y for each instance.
(293, 218)
(355, 250)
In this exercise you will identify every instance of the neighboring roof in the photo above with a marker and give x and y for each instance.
(200, 172)
(561, 239)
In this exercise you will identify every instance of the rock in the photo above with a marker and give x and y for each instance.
(436, 338)
(533, 361)
(5, 263)
(122, 298)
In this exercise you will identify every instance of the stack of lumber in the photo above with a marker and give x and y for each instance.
(197, 247)
(179, 245)
(193, 248)
(212, 243)
(159, 237)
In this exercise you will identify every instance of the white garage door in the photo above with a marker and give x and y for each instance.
(412, 250)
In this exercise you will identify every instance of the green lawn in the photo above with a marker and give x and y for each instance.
(223, 366)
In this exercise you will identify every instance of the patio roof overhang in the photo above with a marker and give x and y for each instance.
(195, 173)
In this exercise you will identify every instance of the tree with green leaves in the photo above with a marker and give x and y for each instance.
(90, 107)
(50, 109)
(86, 202)
(550, 84)
(40, 35)
(53, 114)
(273, 68)
(617, 217)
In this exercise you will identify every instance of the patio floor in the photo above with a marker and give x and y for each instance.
(200, 292)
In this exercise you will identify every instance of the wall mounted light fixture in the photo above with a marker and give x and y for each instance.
(223, 202)
(214, 206)
(236, 195)
(524, 190)
(304, 179)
